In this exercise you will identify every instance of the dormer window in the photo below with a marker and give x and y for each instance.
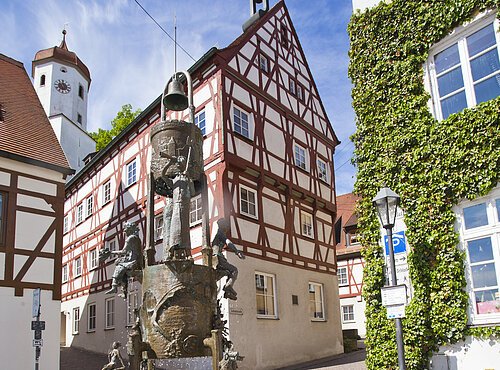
(80, 91)
(42, 80)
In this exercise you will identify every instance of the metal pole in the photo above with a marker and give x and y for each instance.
(393, 282)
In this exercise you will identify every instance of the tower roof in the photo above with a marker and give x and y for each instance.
(63, 55)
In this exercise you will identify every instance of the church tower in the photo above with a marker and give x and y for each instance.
(62, 82)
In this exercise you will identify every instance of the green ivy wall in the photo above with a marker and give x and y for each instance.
(430, 164)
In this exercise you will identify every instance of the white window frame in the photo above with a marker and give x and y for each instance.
(458, 36)
(239, 113)
(306, 229)
(132, 304)
(197, 211)
(254, 192)
(92, 262)
(348, 313)
(66, 224)
(131, 172)
(200, 120)
(322, 172)
(106, 192)
(91, 318)
(65, 274)
(78, 266)
(343, 278)
(300, 157)
(109, 313)
(159, 227)
(292, 86)
(112, 245)
(79, 213)
(90, 206)
(75, 322)
(491, 230)
(274, 300)
(314, 301)
(264, 63)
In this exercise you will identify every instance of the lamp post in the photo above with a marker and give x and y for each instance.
(386, 202)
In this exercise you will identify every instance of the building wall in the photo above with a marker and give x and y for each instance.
(472, 353)
(30, 259)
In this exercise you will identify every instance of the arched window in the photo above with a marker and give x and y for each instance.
(80, 91)
(42, 80)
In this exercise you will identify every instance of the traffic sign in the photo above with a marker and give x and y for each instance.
(38, 325)
(38, 334)
(396, 311)
(37, 342)
(36, 302)
(398, 242)
(394, 295)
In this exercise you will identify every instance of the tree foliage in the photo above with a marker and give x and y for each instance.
(431, 164)
(123, 118)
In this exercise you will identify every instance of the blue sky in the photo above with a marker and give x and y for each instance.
(130, 58)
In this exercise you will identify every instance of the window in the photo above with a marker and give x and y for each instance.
(131, 173)
(292, 86)
(264, 63)
(76, 320)
(79, 213)
(265, 288)
(159, 227)
(79, 118)
(316, 305)
(466, 72)
(348, 313)
(42, 80)
(91, 317)
(300, 157)
(199, 120)
(248, 205)
(3, 214)
(106, 193)
(78, 266)
(93, 259)
(196, 211)
(342, 275)
(65, 273)
(322, 171)
(284, 35)
(111, 244)
(132, 306)
(300, 92)
(63, 69)
(80, 91)
(90, 206)
(241, 125)
(66, 224)
(306, 223)
(351, 238)
(109, 313)
(479, 223)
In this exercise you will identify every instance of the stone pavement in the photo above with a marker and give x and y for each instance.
(78, 359)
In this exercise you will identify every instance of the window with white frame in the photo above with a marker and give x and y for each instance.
(199, 120)
(106, 193)
(78, 266)
(306, 224)
(464, 68)
(79, 213)
(109, 313)
(300, 92)
(292, 86)
(300, 157)
(196, 210)
(93, 259)
(132, 306)
(91, 317)
(159, 227)
(348, 313)
(342, 275)
(90, 206)
(352, 238)
(265, 291)
(264, 63)
(66, 224)
(241, 123)
(479, 224)
(322, 170)
(76, 320)
(248, 201)
(131, 172)
(65, 273)
(316, 304)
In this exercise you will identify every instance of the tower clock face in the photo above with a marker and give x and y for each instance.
(62, 86)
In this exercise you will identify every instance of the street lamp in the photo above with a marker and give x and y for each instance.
(386, 202)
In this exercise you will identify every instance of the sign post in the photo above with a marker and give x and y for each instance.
(37, 326)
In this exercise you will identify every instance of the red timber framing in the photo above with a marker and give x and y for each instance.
(222, 80)
(354, 265)
(28, 250)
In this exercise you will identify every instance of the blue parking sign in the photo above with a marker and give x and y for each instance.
(399, 242)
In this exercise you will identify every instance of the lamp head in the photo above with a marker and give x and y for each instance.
(386, 202)
(175, 99)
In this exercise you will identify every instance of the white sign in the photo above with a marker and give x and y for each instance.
(36, 302)
(394, 295)
(37, 342)
(396, 311)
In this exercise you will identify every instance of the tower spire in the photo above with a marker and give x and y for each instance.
(63, 42)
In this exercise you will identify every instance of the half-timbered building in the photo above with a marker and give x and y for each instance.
(268, 148)
(350, 265)
(33, 170)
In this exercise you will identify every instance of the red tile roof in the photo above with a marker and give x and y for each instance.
(346, 205)
(25, 131)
